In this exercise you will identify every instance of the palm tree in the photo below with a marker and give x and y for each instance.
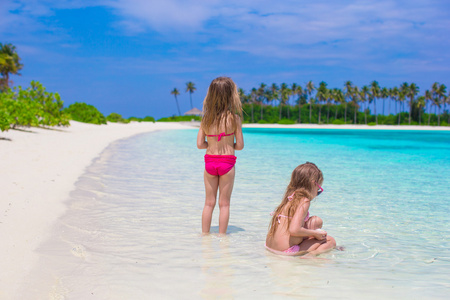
(411, 93)
(420, 105)
(401, 100)
(253, 95)
(428, 97)
(365, 96)
(330, 97)
(394, 93)
(190, 87)
(355, 95)
(175, 92)
(309, 89)
(440, 93)
(284, 93)
(298, 90)
(261, 93)
(348, 94)
(339, 98)
(322, 95)
(384, 94)
(274, 92)
(375, 91)
(9, 64)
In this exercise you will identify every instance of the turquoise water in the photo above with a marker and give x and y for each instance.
(133, 224)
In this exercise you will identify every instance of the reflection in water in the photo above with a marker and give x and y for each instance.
(216, 267)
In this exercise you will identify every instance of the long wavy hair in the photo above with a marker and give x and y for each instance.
(303, 183)
(222, 104)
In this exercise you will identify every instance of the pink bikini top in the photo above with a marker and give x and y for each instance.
(219, 136)
(284, 216)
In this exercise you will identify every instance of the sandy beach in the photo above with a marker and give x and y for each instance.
(39, 168)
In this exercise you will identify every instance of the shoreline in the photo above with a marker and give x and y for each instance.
(348, 126)
(38, 169)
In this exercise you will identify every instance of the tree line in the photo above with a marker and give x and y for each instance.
(351, 104)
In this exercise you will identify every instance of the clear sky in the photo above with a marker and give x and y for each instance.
(126, 56)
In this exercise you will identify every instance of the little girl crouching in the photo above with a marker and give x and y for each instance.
(292, 231)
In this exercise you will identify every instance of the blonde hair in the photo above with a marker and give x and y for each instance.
(303, 183)
(221, 101)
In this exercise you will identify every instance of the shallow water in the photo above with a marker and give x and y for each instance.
(133, 225)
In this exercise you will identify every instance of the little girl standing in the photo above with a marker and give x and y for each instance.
(292, 231)
(221, 124)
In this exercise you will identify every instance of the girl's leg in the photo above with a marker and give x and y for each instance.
(211, 185)
(226, 183)
(313, 223)
(316, 247)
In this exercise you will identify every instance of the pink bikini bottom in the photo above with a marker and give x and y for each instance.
(294, 250)
(218, 165)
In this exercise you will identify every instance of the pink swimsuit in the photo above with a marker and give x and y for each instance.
(218, 165)
(294, 248)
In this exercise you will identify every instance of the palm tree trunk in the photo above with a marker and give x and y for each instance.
(345, 117)
(389, 107)
(279, 118)
(365, 116)
(288, 111)
(178, 106)
(335, 115)
(438, 109)
(261, 110)
(410, 109)
(375, 110)
(190, 96)
(309, 111)
(383, 106)
(328, 113)
(355, 114)
(320, 113)
(299, 114)
(252, 113)
(429, 117)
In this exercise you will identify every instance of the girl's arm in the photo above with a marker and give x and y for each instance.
(201, 142)
(239, 145)
(296, 227)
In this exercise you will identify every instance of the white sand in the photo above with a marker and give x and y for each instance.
(38, 170)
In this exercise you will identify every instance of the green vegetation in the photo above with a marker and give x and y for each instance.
(9, 64)
(180, 119)
(116, 118)
(148, 119)
(85, 113)
(350, 105)
(33, 106)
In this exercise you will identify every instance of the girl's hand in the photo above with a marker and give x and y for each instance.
(320, 234)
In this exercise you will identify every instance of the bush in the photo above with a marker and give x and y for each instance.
(338, 122)
(33, 106)
(134, 119)
(180, 119)
(148, 119)
(286, 121)
(116, 118)
(371, 124)
(85, 113)
(262, 122)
